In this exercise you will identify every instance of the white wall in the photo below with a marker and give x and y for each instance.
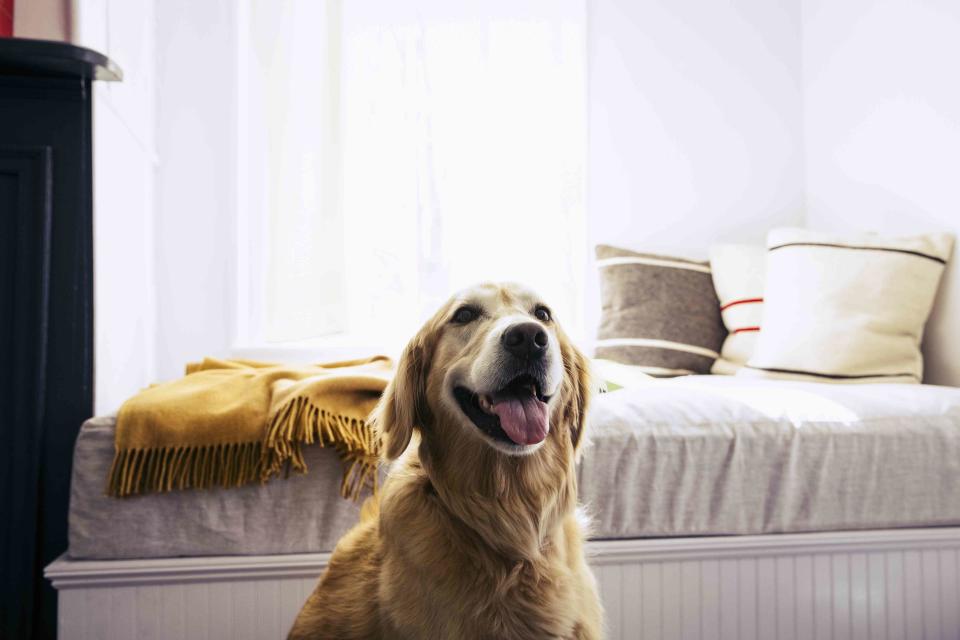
(165, 178)
(695, 119)
(882, 133)
(124, 157)
(700, 117)
(695, 136)
(694, 123)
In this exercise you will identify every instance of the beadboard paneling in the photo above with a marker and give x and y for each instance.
(893, 585)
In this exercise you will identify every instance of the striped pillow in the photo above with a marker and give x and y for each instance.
(660, 313)
(738, 276)
(847, 308)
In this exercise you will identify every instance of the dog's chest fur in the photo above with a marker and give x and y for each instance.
(529, 600)
(447, 575)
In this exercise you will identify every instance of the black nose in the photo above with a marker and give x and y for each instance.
(525, 340)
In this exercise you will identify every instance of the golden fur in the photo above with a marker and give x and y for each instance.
(464, 541)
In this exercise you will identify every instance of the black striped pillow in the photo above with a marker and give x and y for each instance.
(847, 308)
(659, 313)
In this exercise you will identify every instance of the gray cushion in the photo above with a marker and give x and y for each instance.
(705, 455)
(302, 514)
(658, 312)
(697, 455)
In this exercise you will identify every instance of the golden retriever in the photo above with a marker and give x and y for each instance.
(475, 532)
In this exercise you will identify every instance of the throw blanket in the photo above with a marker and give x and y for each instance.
(232, 422)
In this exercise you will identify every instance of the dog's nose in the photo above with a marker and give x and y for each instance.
(525, 340)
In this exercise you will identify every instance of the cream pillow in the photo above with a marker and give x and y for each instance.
(847, 308)
(738, 276)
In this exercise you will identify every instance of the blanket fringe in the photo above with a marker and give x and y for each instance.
(299, 422)
(136, 471)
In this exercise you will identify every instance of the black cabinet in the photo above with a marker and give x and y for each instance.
(46, 310)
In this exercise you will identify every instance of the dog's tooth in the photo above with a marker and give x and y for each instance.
(485, 403)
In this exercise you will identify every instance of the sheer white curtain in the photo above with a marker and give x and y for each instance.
(461, 136)
(290, 263)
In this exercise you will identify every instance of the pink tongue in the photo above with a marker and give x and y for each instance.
(523, 419)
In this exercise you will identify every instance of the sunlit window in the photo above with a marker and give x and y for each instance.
(395, 151)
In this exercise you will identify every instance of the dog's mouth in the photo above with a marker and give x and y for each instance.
(517, 414)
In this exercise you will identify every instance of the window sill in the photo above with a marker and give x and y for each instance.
(319, 350)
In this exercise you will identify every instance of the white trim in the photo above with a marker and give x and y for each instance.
(657, 344)
(602, 552)
(245, 326)
(71, 574)
(654, 262)
(64, 573)
(343, 346)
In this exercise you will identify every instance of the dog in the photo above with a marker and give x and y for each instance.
(475, 532)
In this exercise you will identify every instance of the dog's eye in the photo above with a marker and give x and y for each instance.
(465, 315)
(542, 314)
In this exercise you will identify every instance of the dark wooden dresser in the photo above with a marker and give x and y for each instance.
(46, 309)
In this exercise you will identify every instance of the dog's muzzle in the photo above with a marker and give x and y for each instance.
(515, 411)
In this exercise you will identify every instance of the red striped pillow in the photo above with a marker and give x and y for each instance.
(738, 276)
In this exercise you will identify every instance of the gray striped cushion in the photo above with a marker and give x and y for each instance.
(659, 313)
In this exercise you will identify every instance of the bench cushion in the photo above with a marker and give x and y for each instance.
(708, 455)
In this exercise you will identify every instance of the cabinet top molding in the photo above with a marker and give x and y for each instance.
(22, 56)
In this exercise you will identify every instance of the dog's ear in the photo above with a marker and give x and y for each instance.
(403, 405)
(579, 390)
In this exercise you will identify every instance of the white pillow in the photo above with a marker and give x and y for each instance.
(847, 308)
(738, 276)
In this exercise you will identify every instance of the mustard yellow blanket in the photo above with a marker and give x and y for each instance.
(232, 422)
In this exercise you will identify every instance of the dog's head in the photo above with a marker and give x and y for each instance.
(492, 368)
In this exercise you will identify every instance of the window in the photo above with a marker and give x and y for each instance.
(392, 152)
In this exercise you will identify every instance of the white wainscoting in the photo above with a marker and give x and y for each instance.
(891, 584)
